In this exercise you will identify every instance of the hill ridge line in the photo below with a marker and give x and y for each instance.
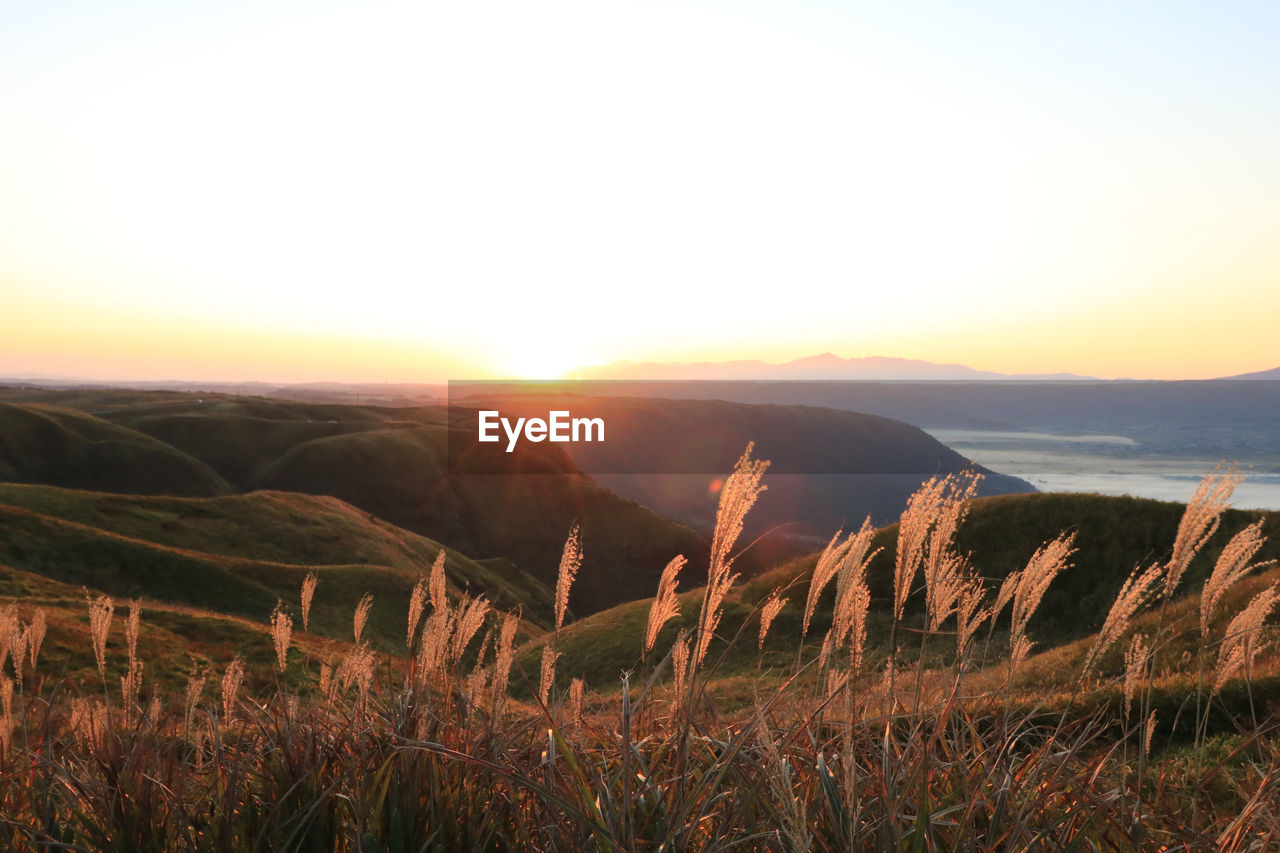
(188, 552)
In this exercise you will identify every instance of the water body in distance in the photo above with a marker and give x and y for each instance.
(1109, 465)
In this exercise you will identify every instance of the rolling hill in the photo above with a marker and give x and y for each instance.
(396, 465)
(42, 443)
(828, 467)
(1113, 535)
(238, 555)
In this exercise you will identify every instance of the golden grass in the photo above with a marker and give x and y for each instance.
(914, 748)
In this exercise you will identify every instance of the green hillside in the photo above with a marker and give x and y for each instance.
(174, 640)
(1113, 535)
(239, 554)
(396, 465)
(42, 443)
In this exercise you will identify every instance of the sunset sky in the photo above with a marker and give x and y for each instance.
(415, 191)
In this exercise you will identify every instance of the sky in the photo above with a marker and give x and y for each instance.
(293, 191)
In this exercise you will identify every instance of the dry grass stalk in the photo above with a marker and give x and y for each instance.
(195, 687)
(1007, 588)
(769, 611)
(666, 605)
(35, 636)
(1151, 730)
(945, 571)
(361, 615)
(859, 604)
(1240, 646)
(476, 685)
(737, 496)
(6, 713)
(308, 595)
(1232, 565)
(913, 532)
(794, 834)
(417, 606)
(925, 530)
(504, 658)
(231, 681)
(1133, 594)
(1018, 651)
(100, 611)
(1136, 660)
(1027, 586)
(8, 626)
(853, 598)
(88, 723)
(1200, 521)
(357, 667)
(436, 583)
(680, 666)
(471, 616)
(437, 638)
(326, 680)
(712, 604)
(281, 632)
(577, 698)
(130, 688)
(824, 570)
(946, 580)
(19, 644)
(547, 671)
(969, 616)
(570, 562)
(132, 627)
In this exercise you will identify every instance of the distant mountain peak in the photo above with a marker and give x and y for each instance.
(1272, 374)
(824, 366)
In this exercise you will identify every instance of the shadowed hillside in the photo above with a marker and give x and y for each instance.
(63, 447)
(828, 467)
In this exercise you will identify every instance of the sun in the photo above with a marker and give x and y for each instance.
(542, 359)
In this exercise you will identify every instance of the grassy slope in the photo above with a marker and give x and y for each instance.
(1001, 533)
(49, 444)
(239, 554)
(173, 640)
(395, 464)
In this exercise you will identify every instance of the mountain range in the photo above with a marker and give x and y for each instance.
(824, 366)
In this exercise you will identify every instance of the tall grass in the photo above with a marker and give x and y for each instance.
(926, 744)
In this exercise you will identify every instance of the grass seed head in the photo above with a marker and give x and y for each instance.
(768, 612)
(666, 605)
(308, 595)
(281, 632)
(1231, 566)
(1240, 645)
(1200, 521)
(100, 610)
(570, 562)
(547, 671)
(231, 681)
(361, 615)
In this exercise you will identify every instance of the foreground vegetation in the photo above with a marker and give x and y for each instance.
(926, 724)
